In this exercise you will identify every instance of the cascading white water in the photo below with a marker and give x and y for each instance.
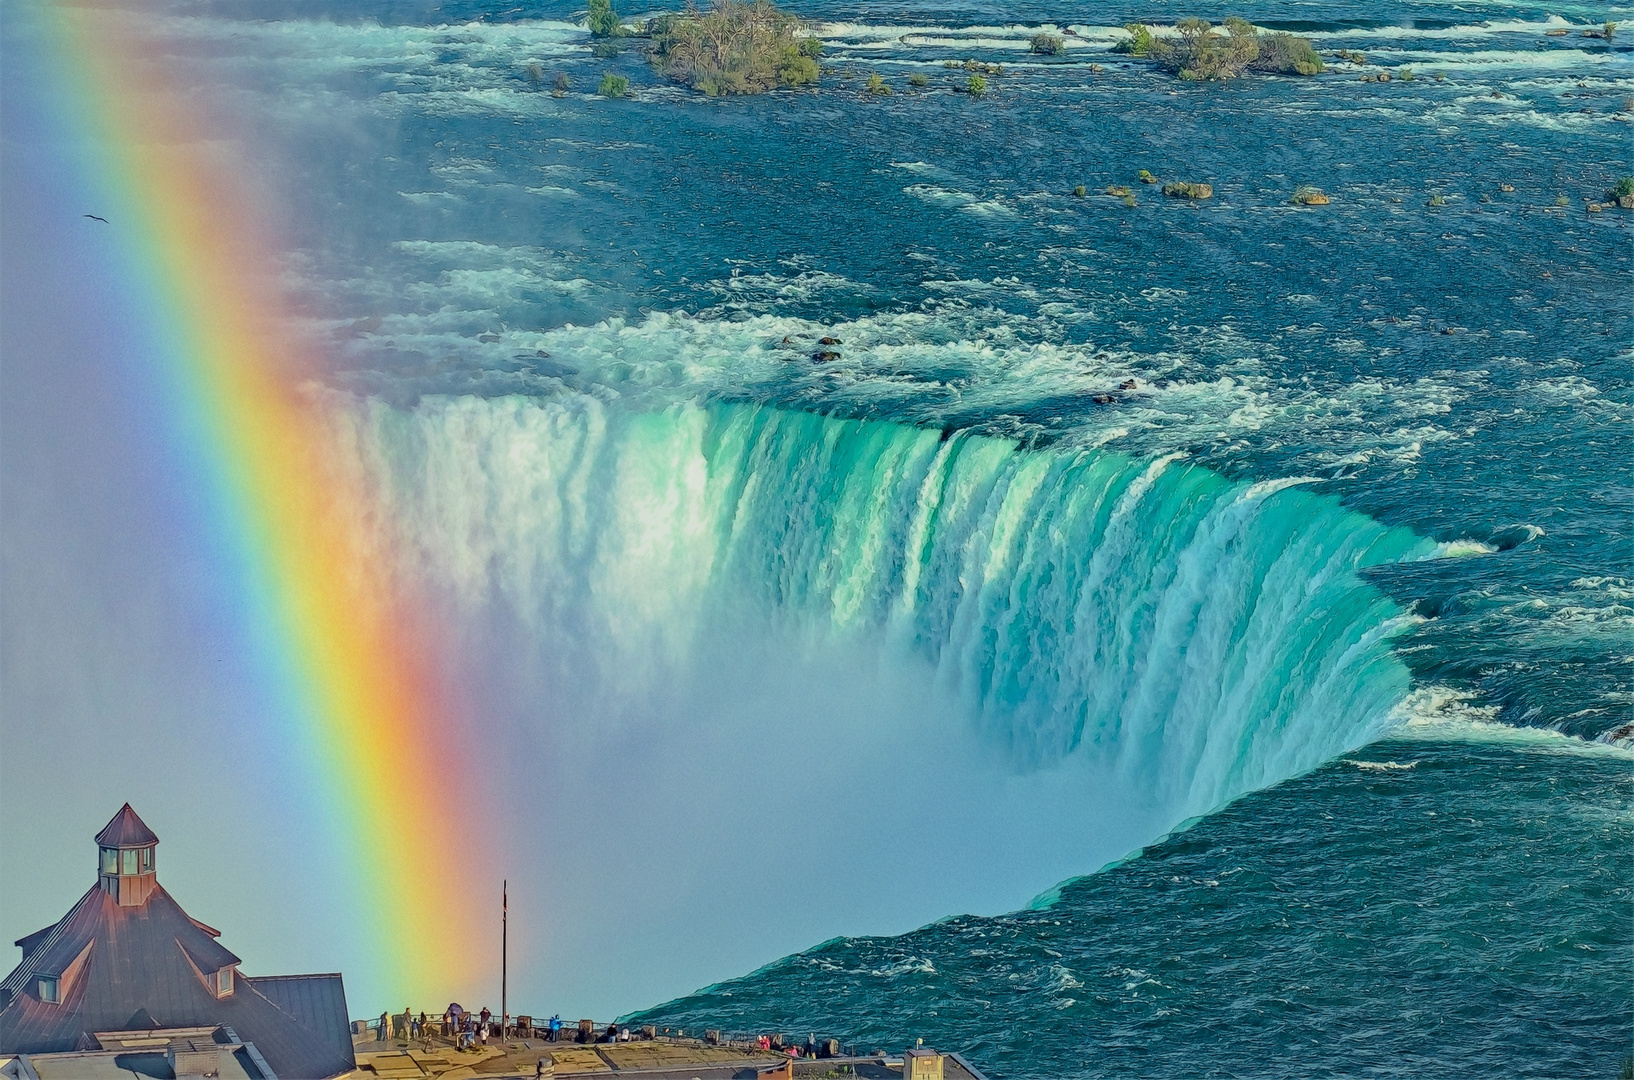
(749, 665)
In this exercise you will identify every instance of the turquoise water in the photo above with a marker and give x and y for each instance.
(1304, 528)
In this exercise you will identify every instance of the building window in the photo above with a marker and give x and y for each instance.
(224, 982)
(48, 989)
(110, 860)
(147, 859)
(128, 857)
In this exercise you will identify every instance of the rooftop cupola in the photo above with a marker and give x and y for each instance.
(125, 858)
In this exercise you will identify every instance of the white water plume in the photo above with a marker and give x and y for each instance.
(760, 677)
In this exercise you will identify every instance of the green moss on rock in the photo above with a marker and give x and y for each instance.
(1183, 189)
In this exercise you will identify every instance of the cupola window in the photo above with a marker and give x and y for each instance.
(128, 858)
(110, 860)
(147, 860)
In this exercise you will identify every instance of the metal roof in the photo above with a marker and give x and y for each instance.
(126, 830)
(145, 959)
(121, 1057)
(317, 1001)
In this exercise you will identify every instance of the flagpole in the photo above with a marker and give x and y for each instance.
(504, 955)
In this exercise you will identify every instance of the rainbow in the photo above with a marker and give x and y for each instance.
(346, 653)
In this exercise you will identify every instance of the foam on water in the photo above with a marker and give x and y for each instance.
(1054, 526)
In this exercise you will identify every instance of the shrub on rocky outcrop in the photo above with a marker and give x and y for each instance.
(976, 87)
(613, 86)
(876, 85)
(1197, 51)
(737, 47)
(1285, 54)
(1047, 44)
(1305, 195)
(1182, 189)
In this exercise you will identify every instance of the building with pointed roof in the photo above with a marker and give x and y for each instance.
(126, 962)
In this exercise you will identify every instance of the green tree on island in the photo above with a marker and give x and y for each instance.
(737, 47)
(604, 21)
(1138, 43)
(1196, 51)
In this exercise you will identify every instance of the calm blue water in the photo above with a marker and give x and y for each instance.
(519, 284)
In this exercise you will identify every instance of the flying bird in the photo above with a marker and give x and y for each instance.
(93, 217)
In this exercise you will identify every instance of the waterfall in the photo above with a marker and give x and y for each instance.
(1089, 646)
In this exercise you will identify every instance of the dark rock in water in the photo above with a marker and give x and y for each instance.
(785, 340)
(825, 355)
(1619, 736)
(488, 337)
(829, 341)
(1102, 399)
(1128, 384)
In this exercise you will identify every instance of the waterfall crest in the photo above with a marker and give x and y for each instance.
(1080, 648)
